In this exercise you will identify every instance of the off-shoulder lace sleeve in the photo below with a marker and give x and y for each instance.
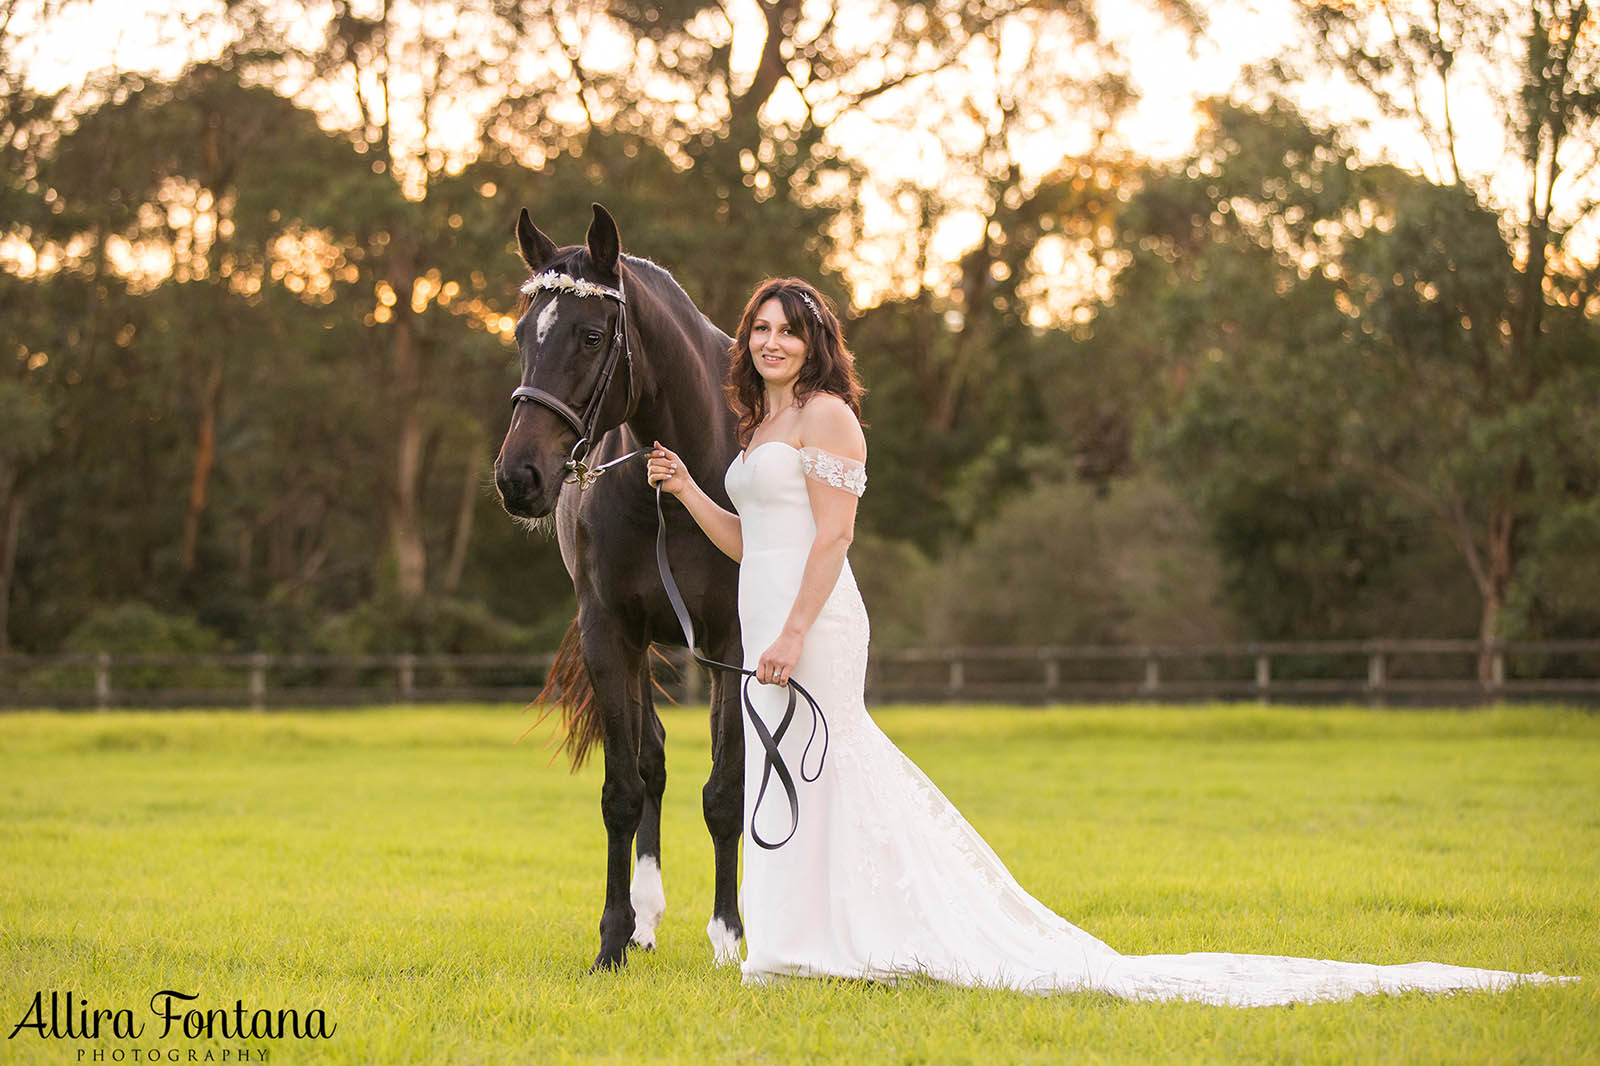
(835, 470)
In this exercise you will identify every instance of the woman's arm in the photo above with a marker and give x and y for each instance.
(827, 423)
(721, 525)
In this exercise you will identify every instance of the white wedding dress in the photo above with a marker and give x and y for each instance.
(883, 877)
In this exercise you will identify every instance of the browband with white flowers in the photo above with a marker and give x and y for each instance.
(551, 281)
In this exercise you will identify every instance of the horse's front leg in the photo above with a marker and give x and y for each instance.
(647, 894)
(723, 802)
(613, 671)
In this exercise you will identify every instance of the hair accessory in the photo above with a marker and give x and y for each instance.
(815, 310)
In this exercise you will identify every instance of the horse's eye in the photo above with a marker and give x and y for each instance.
(591, 338)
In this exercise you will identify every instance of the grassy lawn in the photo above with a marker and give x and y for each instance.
(435, 889)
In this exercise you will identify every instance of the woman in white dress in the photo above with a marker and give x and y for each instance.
(874, 873)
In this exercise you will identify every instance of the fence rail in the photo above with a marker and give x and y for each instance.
(1378, 672)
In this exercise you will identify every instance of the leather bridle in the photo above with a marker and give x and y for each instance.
(585, 423)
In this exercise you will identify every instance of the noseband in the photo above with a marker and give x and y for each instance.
(584, 424)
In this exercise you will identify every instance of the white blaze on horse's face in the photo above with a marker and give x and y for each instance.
(565, 340)
(547, 318)
(563, 344)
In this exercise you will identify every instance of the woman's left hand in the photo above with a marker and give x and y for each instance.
(777, 662)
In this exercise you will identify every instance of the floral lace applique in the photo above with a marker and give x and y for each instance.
(835, 470)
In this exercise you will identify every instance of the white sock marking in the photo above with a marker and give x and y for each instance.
(724, 943)
(649, 901)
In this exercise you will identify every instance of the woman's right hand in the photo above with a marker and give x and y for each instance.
(666, 468)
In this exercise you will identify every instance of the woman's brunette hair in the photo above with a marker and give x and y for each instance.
(829, 366)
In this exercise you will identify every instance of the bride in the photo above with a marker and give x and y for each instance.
(874, 873)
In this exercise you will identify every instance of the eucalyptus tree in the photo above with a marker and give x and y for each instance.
(1500, 260)
(1235, 355)
(789, 120)
(1342, 403)
(26, 409)
(784, 117)
(34, 329)
(752, 105)
(184, 200)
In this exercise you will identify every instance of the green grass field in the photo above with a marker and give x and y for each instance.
(435, 888)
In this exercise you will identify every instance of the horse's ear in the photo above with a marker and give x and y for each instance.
(536, 248)
(605, 247)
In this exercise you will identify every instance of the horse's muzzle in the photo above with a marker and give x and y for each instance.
(523, 490)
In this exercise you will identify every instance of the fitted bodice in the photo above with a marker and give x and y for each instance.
(768, 487)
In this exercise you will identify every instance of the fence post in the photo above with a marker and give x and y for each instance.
(102, 680)
(408, 677)
(958, 675)
(1377, 678)
(1052, 674)
(1263, 675)
(1497, 670)
(258, 681)
(1152, 674)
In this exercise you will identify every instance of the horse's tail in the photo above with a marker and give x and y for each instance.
(567, 686)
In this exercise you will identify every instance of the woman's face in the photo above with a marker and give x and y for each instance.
(776, 348)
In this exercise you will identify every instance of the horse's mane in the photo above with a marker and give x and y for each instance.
(674, 293)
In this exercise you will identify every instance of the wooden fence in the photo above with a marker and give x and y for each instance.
(1377, 672)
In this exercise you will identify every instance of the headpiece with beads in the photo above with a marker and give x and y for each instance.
(815, 310)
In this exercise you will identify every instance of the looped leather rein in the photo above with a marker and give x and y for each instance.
(773, 763)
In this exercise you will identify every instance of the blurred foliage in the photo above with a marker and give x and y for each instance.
(389, 624)
(138, 629)
(899, 584)
(1069, 564)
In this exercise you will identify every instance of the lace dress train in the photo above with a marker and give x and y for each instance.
(883, 876)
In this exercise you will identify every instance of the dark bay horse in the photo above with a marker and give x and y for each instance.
(614, 351)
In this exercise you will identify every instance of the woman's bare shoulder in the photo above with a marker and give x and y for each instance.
(827, 422)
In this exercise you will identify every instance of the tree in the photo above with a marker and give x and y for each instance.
(1231, 356)
(1379, 371)
(25, 422)
(1506, 294)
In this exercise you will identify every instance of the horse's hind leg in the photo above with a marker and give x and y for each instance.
(723, 801)
(648, 896)
(614, 671)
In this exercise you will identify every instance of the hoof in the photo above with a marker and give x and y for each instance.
(609, 961)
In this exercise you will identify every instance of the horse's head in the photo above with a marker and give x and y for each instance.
(572, 338)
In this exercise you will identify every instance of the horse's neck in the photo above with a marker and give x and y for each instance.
(681, 404)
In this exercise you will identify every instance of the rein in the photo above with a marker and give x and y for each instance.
(772, 762)
(583, 475)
